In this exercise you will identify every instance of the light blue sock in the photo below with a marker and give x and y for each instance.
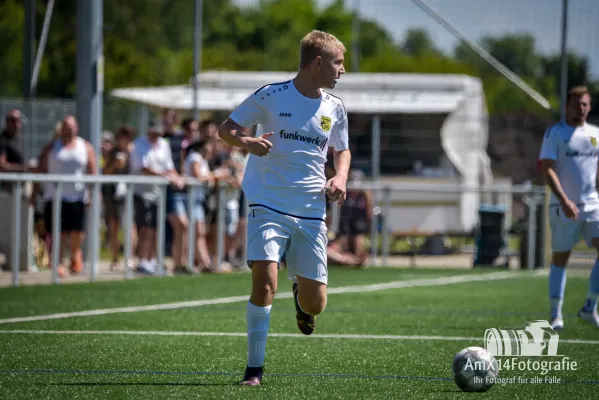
(591, 303)
(258, 324)
(557, 287)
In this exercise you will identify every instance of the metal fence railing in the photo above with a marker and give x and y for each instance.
(390, 224)
(93, 241)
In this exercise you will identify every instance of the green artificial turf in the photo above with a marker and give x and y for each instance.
(425, 327)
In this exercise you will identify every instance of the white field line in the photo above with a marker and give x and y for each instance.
(448, 280)
(280, 335)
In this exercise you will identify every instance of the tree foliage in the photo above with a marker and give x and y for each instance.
(151, 43)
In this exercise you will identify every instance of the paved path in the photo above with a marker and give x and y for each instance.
(460, 261)
(45, 276)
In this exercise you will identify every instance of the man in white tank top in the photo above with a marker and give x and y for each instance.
(569, 157)
(68, 154)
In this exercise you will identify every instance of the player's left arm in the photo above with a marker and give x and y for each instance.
(336, 186)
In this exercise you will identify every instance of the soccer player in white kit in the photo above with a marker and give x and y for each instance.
(286, 189)
(569, 156)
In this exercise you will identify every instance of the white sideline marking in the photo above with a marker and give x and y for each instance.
(237, 299)
(282, 335)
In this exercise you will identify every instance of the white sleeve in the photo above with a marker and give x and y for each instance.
(339, 134)
(549, 145)
(249, 113)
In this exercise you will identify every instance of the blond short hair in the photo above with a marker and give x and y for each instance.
(318, 43)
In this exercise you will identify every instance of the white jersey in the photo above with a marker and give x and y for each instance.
(154, 156)
(68, 161)
(576, 153)
(290, 179)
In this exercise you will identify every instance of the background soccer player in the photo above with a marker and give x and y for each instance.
(285, 183)
(569, 156)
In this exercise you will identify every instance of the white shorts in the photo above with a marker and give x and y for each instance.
(270, 235)
(566, 232)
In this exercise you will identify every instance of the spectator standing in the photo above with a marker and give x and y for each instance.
(69, 154)
(176, 198)
(196, 166)
(151, 156)
(356, 217)
(11, 146)
(116, 162)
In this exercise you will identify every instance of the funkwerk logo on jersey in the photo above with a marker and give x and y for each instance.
(301, 138)
(593, 153)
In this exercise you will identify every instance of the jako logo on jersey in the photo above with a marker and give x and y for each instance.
(301, 138)
(285, 115)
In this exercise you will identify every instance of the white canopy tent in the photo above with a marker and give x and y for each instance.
(361, 92)
(464, 133)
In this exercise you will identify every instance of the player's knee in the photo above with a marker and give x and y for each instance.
(314, 305)
(264, 283)
(263, 294)
(560, 259)
(319, 305)
(266, 289)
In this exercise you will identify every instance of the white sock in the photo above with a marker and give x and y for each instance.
(557, 287)
(258, 324)
(556, 307)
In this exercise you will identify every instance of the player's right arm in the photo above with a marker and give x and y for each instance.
(548, 159)
(249, 113)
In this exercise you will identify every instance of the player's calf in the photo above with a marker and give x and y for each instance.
(557, 287)
(264, 286)
(312, 295)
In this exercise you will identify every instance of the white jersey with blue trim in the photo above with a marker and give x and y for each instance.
(575, 150)
(291, 178)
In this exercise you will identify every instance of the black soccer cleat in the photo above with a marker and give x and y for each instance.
(252, 376)
(305, 322)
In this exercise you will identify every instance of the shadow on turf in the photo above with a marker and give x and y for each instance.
(137, 384)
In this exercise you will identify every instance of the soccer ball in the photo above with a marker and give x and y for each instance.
(474, 369)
